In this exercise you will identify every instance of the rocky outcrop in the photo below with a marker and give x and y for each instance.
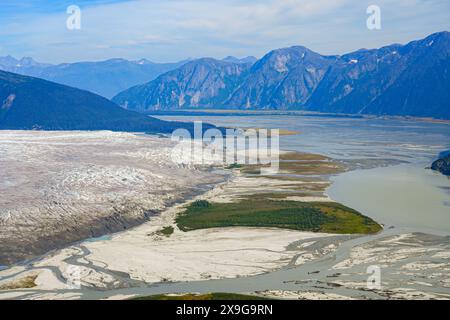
(201, 83)
(442, 165)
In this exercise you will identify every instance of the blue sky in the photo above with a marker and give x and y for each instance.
(170, 30)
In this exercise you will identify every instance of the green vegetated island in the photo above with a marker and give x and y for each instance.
(327, 217)
(274, 209)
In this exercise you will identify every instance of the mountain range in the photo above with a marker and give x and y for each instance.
(406, 80)
(106, 78)
(204, 82)
(28, 103)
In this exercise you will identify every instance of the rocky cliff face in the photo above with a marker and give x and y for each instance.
(200, 83)
(396, 80)
(282, 79)
(442, 165)
(355, 80)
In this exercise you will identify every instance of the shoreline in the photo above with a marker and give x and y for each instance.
(244, 113)
(255, 242)
(139, 236)
(371, 181)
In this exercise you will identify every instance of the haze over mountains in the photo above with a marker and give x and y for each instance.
(407, 80)
(106, 78)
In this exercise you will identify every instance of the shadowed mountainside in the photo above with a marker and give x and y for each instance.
(29, 103)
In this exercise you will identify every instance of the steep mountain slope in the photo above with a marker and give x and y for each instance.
(407, 80)
(282, 79)
(423, 88)
(355, 80)
(106, 78)
(200, 83)
(396, 80)
(31, 103)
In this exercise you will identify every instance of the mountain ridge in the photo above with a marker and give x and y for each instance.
(216, 79)
(405, 80)
(28, 103)
(106, 78)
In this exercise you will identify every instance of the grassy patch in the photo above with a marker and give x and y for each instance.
(201, 204)
(166, 231)
(310, 168)
(209, 296)
(234, 166)
(271, 213)
(296, 164)
(270, 207)
(281, 132)
(298, 156)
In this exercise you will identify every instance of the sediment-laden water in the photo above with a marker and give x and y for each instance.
(398, 190)
(388, 181)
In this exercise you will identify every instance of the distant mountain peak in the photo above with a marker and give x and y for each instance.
(106, 78)
(116, 60)
(441, 34)
(8, 61)
(249, 59)
(299, 48)
(27, 62)
(200, 82)
(143, 61)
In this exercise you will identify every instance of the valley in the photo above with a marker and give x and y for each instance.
(169, 255)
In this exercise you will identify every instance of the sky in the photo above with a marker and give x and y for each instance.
(173, 30)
